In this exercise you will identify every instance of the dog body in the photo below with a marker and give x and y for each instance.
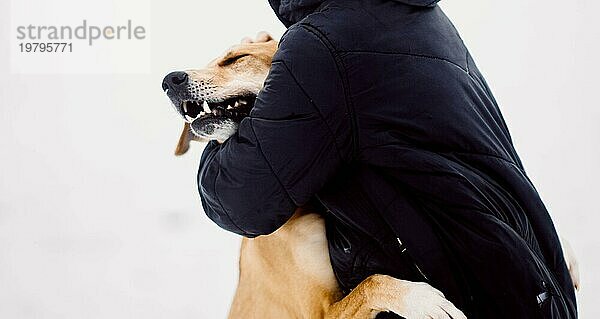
(287, 274)
(310, 288)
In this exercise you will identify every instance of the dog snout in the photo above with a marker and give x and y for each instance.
(175, 81)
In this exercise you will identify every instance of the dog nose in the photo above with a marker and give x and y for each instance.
(174, 80)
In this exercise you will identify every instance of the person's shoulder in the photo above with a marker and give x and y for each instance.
(301, 43)
(331, 25)
(390, 28)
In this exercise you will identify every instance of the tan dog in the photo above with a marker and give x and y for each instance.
(286, 274)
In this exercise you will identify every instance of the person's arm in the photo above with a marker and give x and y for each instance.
(295, 139)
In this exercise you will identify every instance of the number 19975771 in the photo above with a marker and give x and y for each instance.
(46, 47)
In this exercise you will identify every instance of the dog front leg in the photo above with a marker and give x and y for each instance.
(381, 293)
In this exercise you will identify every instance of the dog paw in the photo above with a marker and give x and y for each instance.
(572, 263)
(413, 300)
(423, 301)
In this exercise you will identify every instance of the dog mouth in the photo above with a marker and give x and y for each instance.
(234, 109)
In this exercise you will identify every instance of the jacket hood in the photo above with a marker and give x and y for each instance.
(292, 11)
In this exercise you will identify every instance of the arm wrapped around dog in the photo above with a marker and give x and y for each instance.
(296, 138)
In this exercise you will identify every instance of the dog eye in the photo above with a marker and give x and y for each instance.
(232, 59)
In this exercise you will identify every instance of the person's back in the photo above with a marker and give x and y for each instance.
(377, 108)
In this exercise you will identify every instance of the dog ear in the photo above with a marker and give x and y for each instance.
(184, 140)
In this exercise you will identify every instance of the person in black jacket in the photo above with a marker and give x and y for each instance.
(376, 110)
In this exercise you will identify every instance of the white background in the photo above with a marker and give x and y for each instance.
(99, 220)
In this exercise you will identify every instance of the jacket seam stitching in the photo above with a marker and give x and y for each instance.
(425, 56)
(315, 107)
(492, 156)
(219, 199)
(269, 163)
(342, 72)
(221, 204)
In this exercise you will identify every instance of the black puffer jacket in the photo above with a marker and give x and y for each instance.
(376, 109)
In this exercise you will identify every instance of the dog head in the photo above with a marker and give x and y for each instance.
(212, 101)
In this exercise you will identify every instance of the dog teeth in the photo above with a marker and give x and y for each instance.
(229, 107)
(185, 107)
(237, 103)
(189, 118)
(205, 107)
(202, 113)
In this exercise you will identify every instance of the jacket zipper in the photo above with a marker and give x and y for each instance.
(403, 250)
